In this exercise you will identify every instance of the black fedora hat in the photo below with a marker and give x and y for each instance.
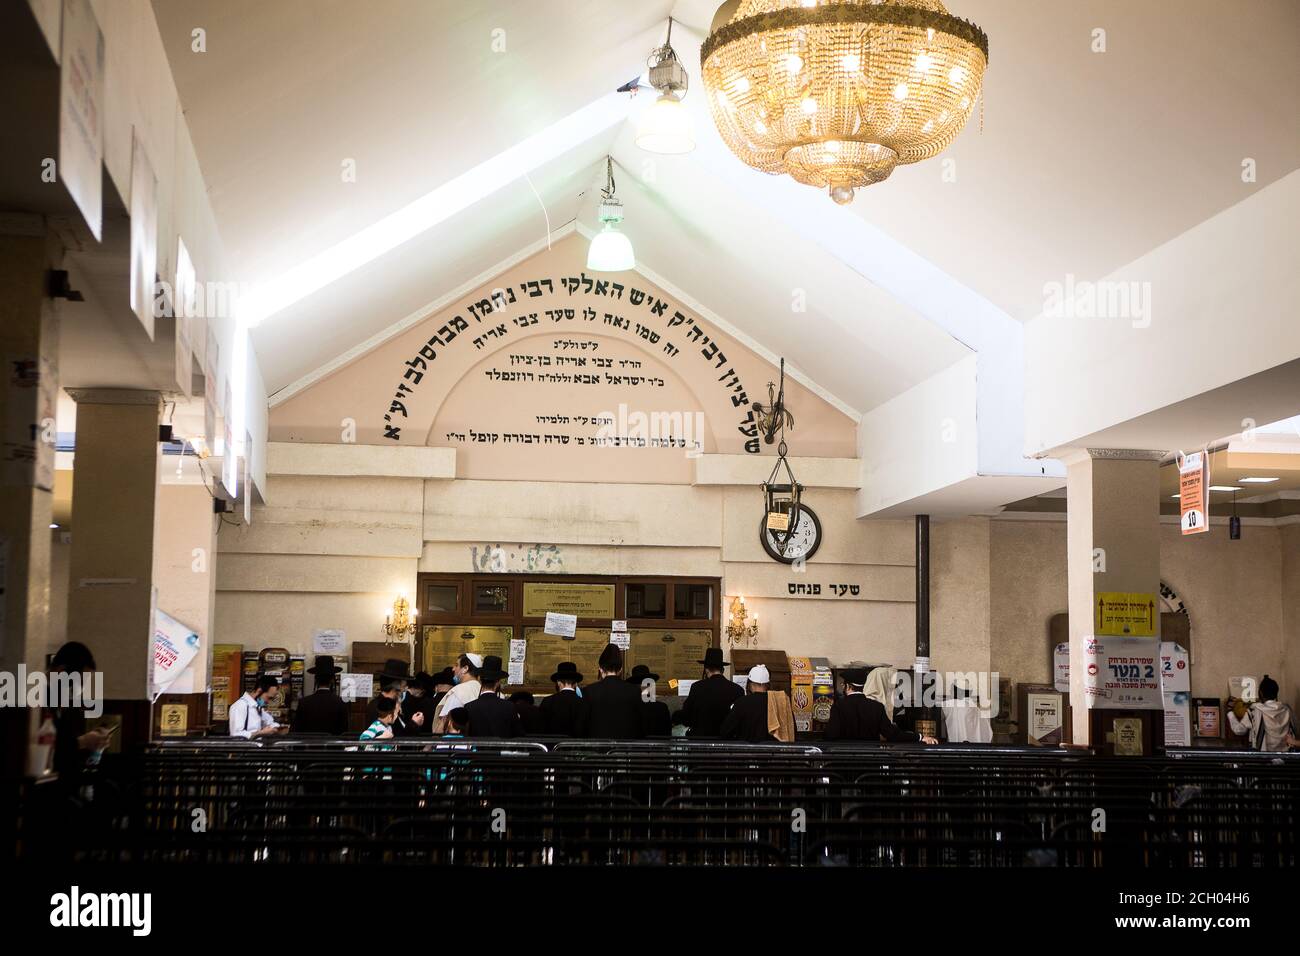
(641, 673)
(395, 669)
(611, 659)
(567, 671)
(444, 676)
(324, 666)
(713, 658)
(491, 669)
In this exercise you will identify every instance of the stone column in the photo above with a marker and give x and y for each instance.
(1113, 544)
(114, 504)
(29, 341)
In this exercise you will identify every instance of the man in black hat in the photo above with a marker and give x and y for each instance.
(489, 715)
(323, 711)
(856, 716)
(564, 713)
(615, 705)
(443, 681)
(530, 718)
(655, 718)
(711, 697)
(419, 700)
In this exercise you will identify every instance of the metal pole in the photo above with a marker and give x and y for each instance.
(923, 587)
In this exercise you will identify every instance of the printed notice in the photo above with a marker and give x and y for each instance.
(561, 625)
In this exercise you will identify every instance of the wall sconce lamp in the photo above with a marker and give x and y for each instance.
(401, 623)
(739, 633)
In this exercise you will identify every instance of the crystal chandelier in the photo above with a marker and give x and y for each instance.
(836, 93)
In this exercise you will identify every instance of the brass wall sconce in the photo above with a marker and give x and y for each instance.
(740, 633)
(401, 623)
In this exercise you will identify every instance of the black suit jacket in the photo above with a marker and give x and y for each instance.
(655, 718)
(564, 713)
(858, 717)
(323, 712)
(490, 716)
(747, 719)
(707, 705)
(614, 710)
(530, 719)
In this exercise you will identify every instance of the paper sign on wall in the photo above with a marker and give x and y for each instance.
(331, 641)
(144, 235)
(1124, 613)
(1123, 673)
(81, 111)
(356, 686)
(174, 646)
(620, 640)
(1061, 667)
(1193, 486)
(618, 625)
(561, 625)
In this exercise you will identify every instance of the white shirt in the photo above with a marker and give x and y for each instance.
(459, 696)
(966, 723)
(246, 718)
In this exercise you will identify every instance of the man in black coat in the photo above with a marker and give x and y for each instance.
(489, 715)
(654, 713)
(858, 717)
(323, 711)
(564, 713)
(710, 698)
(419, 699)
(747, 719)
(530, 718)
(615, 705)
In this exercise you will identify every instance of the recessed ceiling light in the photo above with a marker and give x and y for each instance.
(1256, 481)
(1224, 488)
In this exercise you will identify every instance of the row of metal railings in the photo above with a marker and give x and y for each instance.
(567, 802)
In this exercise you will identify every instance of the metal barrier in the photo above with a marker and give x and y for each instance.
(518, 803)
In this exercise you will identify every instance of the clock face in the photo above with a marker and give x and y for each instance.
(801, 545)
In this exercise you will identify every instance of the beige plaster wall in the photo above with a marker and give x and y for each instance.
(1234, 591)
(1290, 582)
(333, 552)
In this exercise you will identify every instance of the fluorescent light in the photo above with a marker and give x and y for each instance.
(53, 526)
(1255, 481)
(433, 208)
(1175, 496)
(1224, 488)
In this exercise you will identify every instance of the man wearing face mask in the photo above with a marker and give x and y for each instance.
(465, 673)
(249, 717)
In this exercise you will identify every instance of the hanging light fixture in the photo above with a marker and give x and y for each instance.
(666, 126)
(611, 250)
(836, 93)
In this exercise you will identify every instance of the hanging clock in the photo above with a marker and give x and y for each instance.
(800, 543)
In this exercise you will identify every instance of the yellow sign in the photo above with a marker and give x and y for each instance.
(584, 600)
(174, 720)
(1128, 737)
(1126, 614)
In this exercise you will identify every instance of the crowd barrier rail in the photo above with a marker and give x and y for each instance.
(560, 802)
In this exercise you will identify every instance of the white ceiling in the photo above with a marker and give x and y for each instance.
(1086, 161)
